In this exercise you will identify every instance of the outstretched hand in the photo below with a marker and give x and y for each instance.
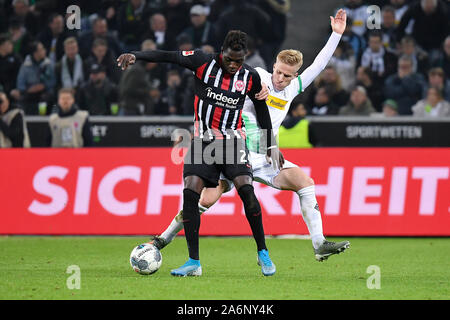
(339, 22)
(126, 59)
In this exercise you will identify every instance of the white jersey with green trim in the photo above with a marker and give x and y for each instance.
(279, 102)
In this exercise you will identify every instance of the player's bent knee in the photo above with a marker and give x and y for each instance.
(308, 182)
(251, 203)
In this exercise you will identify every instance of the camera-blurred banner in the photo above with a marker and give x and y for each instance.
(126, 191)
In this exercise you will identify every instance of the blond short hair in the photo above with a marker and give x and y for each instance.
(291, 57)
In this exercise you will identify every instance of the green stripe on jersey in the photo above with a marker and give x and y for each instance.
(300, 84)
(253, 134)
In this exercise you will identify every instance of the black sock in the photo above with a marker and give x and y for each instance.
(253, 214)
(191, 221)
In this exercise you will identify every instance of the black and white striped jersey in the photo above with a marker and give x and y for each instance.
(219, 96)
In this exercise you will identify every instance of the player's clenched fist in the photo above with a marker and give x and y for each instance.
(125, 60)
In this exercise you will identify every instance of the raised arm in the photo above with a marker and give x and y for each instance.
(187, 59)
(338, 24)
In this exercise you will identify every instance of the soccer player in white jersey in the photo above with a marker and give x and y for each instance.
(283, 84)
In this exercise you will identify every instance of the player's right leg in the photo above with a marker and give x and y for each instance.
(208, 197)
(193, 186)
(295, 179)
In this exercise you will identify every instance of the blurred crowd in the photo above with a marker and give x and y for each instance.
(40, 55)
(398, 65)
(395, 61)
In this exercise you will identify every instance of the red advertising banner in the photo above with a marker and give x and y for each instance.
(125, 191)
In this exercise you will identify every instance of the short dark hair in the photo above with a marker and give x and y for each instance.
(235, 40)
(375, 33)
(4, 38)
(33, 46)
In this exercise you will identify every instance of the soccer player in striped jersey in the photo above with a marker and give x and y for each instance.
(222, 83)
(284, 84)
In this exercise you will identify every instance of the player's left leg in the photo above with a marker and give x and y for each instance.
(295, 179)
(208, 197)
(253, 214)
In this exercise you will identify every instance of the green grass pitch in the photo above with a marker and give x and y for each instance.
(410, 268)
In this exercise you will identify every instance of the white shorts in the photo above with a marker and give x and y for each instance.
(263, 172)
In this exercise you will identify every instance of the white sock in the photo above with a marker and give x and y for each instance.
(311, 215)
(177, 225)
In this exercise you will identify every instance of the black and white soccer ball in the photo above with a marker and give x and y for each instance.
(145, 259)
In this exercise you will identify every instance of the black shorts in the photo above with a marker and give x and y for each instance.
(208, 159)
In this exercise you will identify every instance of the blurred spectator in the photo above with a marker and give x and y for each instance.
(357, 42)
(246, 17)
(155, 73)
(359, 104)
(53, 36)
(357, 12)
(173, 94)
(218, 7)
(135, 85)
(400, 6)
(20, 37)
(374, 89)
(99, 30)
(187, 104)
(36, 80)
(418, 56)
(322, 103)
(295, 131)
(344, 62)
(389, 29)
(102, 56)
(69, 127)
(177, 15)
(69, 70)
(405, 87)
(253, 58)
(277, 11)
(159, 102)
(390, 108)
(132, 23)
(436, 78)
(9, 65)
(201, 30)
(23, 13)
(206, 48)
(330, 78)
(443, 58)
(13, 128)
(158, 33)
(382, 62)
(99, 95)
(433, 105)
(431, 24)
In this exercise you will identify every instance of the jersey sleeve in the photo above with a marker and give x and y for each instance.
(188, 59)
(320, 62)
(254, 84)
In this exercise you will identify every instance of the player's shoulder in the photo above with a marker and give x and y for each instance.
(252, 71)
(263, 74)
(197, 54)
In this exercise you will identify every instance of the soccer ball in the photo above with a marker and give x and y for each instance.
(145, 259)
